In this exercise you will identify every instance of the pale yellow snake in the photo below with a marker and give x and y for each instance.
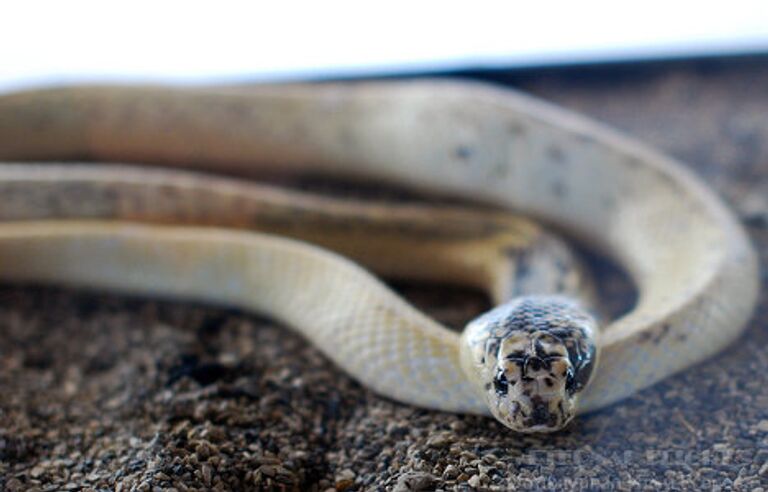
(695, 270)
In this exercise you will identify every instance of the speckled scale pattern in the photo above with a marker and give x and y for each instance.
(694, 267)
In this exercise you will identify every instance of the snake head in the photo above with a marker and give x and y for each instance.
(530, 358)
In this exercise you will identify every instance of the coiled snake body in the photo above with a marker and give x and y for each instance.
(530, 362)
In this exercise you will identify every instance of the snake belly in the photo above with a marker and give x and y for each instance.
(693, 265)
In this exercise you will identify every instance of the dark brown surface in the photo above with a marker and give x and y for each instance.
(99, 392)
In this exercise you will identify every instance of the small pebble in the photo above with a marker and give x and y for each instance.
(450, 472)
(440, 440)
(474, 481)
(207, 472)
(345, 479)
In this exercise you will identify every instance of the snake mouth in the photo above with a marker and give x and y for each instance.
(537, 414)
(541, 415)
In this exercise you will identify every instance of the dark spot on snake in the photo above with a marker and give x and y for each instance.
(548, 382)
(662, 333)
(608, 202)
(516, 129)
(500, 169)
(682, 337)
(555, 154)
(584, 138)
(634, 162)
(464, 152)
(654, 338)
(644, 337)
(516, 356)
(534, 364)
(540, 352)
(559, 189)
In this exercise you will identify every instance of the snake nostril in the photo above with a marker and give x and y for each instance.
(533, 364)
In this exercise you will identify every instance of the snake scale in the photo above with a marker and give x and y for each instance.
(533, 362)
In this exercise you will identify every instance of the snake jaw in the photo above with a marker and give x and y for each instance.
(530, 358)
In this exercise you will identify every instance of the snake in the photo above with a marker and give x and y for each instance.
(537, 359)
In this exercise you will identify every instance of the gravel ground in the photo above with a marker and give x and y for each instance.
(100, 392)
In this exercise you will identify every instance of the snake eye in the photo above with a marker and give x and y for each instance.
(582, 368)
(501, 384)
(570, 382)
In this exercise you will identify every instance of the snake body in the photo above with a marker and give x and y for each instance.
(694, 268)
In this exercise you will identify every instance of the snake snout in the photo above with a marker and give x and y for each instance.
(533, 366)
(533, 357)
